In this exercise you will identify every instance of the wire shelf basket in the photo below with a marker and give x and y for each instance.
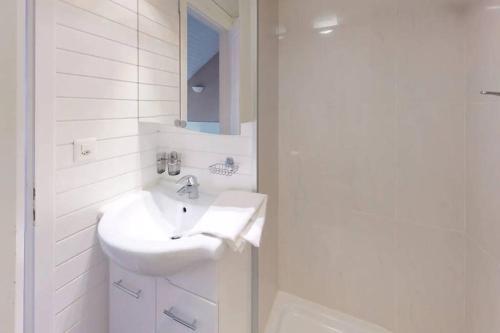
(227, 168)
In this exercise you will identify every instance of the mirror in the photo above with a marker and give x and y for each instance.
(198, 64)
(218, 65)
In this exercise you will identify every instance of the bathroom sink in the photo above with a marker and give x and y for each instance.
(142, 231)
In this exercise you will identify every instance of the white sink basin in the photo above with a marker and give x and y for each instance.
(139, 232)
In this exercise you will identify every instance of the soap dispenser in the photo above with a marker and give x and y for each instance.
(170, 163)
(174, 164)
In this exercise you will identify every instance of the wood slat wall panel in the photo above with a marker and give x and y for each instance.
(158, 93)
(151, 76)
(76, 244)
(93, 305)
(69, 109)
(129, 4)
(71, 201)
(77, 266)
(97, 96)
(80, 286)
(108, 10)
(91, 325)
(79, 64)
(68, 38)
(71, 178)
(158, 62)
(87, 87)
(159, 31)
(81, 219)
(164, 12)
(158, 108)
(83, 20)
(67, 132)
(109, 148)
(157, 46)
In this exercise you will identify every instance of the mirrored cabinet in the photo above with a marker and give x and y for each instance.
(197, 64)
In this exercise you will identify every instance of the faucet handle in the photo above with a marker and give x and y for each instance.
(190, 180)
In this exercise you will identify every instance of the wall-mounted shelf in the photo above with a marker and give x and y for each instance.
(227, 168)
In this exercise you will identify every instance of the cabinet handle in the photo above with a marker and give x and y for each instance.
(169, 313)
(119, 284)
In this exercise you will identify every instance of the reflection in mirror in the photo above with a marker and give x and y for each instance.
(216, 60)
(203, 74)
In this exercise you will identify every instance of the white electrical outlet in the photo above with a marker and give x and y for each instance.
(84, 150)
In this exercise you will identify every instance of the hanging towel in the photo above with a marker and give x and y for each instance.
(236, 217)
(253, 232)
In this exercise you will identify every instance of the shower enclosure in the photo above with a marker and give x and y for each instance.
(388, 161)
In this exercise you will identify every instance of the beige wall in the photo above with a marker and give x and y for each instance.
(268, 153)
(10, 163)
(372, 159)
(483, 169)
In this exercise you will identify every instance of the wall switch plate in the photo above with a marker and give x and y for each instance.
(84, 150)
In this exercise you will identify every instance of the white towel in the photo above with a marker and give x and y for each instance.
(235, 216)
(253, 232)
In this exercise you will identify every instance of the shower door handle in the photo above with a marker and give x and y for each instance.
(492, 93)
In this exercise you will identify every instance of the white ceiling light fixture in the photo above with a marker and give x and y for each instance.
(198, 88)
(281, 32)
(325, 25)
(326, 31)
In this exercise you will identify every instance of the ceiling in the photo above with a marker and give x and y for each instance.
(229, 6)
(203, 44)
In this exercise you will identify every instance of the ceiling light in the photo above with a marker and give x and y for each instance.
(198, 89)
(326, 31)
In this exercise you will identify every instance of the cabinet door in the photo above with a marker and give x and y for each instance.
(179, 311)
(132, 299)
(200, 279)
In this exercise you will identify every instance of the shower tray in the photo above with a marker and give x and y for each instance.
(292, 314)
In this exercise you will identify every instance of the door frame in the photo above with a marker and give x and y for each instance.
(40, 260)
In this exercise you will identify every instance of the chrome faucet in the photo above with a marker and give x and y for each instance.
(190, 186)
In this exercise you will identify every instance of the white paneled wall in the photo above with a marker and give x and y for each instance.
(97, 95)
(117, 76)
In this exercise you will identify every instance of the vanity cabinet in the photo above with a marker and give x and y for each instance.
(133, 301)
(211, 297)
(180, 311)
